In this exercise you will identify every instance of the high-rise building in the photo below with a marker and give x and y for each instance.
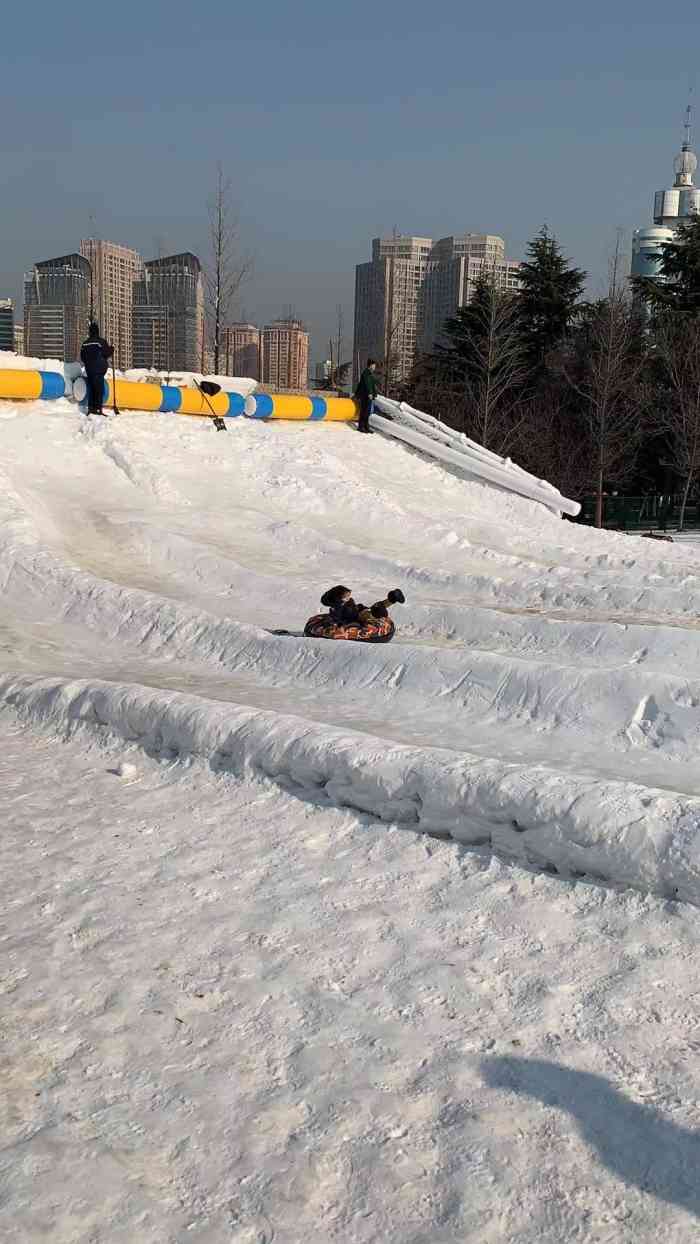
(115, 270)
(454, 268)
(284, 355)
(56, 307)
(19, 338)
(386, 303)
(671, 207)
(239, 351)
(7, 324)
(168, 314)
(411, 286)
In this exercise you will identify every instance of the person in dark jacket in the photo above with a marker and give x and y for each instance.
(365, 394)
(346, 612)
(95, 353)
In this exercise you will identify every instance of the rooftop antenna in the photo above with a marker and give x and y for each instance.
(688, 124)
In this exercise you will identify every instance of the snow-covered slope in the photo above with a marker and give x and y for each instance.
(262, 1004)
(529, 700)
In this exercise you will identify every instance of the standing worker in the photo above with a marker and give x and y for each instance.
(94, 355)
(365, 394)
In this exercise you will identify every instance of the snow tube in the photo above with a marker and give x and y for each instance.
(322, 626)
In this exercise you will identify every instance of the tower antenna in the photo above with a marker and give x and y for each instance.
(688, 124)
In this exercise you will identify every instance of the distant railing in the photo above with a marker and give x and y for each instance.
(653, 511)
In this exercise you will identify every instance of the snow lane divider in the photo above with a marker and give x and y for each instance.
(577, 826)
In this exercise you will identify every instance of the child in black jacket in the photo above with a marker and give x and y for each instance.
(346, 612)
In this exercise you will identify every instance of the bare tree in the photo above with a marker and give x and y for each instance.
(497, 370)
(398, 320)
(478, 383)
(678, 343)
(228, 269)
(339, 336)
(607, 383)
(550, 443)
(392, 364)
(338, 369)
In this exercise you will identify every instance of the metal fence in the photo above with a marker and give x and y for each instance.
(654, 511)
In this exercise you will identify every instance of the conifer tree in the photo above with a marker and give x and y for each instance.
(550, 290)
(679, 287)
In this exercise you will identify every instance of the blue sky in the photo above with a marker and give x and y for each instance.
(336, 123)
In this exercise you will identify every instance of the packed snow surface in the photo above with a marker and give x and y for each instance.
(325, 941)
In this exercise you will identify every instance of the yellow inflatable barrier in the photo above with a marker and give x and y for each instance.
(294, 406)
(168, 399)
(132, 395)
(26, 385)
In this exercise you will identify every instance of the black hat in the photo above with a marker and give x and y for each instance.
(334, 596)
(396, 596)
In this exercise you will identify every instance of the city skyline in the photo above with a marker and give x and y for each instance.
(405, 292)
(475, 121)
(153, 313)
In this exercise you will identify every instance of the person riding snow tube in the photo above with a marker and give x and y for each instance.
(347, 620)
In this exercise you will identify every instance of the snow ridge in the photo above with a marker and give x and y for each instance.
(648, 839)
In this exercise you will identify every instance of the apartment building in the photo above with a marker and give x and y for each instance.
(454, 267)
(411, 286)
(19, 338)
(239, 351)
(168, 314)
(115, 270)
(7, 324)
(284, 355)
(57, 307)
(386, 303)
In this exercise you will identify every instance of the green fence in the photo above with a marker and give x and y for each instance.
(653, 512)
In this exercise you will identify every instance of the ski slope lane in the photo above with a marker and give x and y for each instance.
(144, 552)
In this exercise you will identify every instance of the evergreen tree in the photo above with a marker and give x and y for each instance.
(465, 331)
(679, 287)
(550, 289)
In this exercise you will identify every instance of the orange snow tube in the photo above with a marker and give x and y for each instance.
(322, 626)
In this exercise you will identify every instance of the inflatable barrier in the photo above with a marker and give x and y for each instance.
(178, 400)
(297, 406)
(132, 395)
(30, 385)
